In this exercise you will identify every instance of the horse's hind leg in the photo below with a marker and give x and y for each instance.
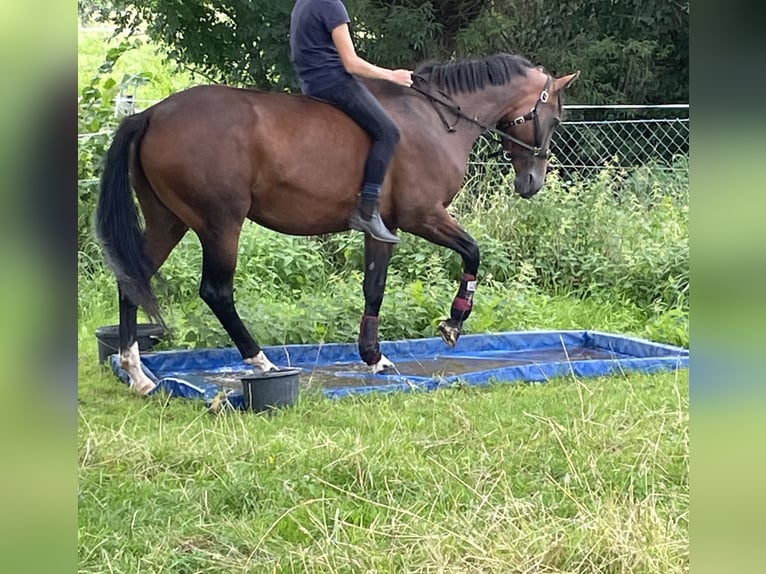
(442, 229)
(376, 256)
(129, 355)
(162, 233)
(219, 261)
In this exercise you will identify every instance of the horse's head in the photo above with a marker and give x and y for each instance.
(529, 125)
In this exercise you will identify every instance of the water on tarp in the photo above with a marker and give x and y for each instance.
(357, 374)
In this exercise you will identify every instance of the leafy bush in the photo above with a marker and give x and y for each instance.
(612, 236)
(96, 122)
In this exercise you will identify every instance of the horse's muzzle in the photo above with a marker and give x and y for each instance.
(527, 184)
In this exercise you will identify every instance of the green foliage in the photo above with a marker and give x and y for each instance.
(110, 66)
(620, 237)
(87, 10)
(96, 121)
(399, 36)
(142, 60)
(629, 51)
(241, 42)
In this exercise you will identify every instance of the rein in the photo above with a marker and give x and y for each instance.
(532, 115)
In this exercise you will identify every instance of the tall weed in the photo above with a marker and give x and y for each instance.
(610, 236)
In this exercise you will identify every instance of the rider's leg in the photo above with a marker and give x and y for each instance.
(354, 99)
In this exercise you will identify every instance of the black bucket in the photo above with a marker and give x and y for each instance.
(273, 390)
(147, 336)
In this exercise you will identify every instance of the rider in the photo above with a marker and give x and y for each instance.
(324, 57)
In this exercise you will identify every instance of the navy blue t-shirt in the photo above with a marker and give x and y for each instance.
(311, 47)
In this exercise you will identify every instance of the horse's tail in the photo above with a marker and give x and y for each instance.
(117, 222)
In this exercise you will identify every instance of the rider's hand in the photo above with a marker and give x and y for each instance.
(402, 77)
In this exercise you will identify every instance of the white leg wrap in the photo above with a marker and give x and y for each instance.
(130, 361)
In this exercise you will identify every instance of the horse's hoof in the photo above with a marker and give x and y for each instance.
(449, 333)
(382, 365)
(261, 363)
(143, 387)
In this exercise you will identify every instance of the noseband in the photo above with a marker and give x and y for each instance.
(501, 134)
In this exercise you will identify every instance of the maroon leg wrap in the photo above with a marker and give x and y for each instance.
(463, 302)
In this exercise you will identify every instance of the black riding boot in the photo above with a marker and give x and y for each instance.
(367, 218)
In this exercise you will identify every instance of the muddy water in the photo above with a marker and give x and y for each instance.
(357, 374)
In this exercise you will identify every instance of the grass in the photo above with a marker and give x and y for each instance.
(570, 476)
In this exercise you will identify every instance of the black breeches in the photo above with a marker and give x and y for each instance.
(356, 101)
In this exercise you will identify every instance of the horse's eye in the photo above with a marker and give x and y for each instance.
(556, 122)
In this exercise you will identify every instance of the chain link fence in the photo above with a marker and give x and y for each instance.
(594, 137)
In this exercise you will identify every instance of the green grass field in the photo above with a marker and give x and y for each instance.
(570, 476)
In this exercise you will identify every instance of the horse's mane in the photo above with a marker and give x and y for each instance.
(469, 75)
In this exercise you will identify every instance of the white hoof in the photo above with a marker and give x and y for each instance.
(143, 387)
(261, 363)
(382, 365)
(130, 361)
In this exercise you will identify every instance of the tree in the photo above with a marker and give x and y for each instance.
(636, 51)
(630, 51)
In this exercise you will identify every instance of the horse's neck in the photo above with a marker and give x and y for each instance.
(484, 109)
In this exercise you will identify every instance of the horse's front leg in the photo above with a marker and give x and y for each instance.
(442, 229)
(219, 260)
(462, 305)
(376, 258)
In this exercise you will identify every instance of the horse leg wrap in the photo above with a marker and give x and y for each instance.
(463, 302)
(369, 349)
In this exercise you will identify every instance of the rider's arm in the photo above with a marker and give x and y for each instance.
(360, 67)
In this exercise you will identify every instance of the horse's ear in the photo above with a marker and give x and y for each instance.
(563, 82)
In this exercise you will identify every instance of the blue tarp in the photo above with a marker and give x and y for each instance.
(534, 356)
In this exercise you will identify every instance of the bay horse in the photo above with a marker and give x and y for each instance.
(209, 157)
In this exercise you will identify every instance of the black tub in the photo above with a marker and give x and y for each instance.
(147, 335)
(269, 391)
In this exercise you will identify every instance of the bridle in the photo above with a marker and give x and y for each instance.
(500, 135)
